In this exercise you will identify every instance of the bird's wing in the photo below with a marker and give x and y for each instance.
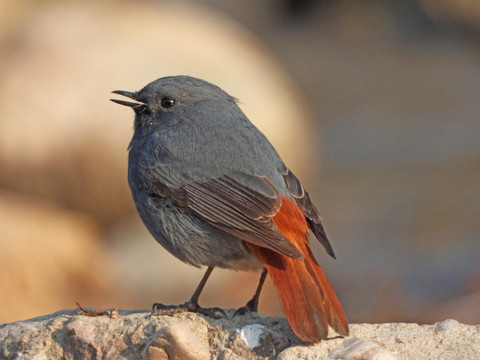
(239, 204)
(311, 213)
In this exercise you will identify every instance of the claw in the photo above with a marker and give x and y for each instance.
(251, 306)
(161, 309)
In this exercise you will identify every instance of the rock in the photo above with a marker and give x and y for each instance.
(251, 334)
(177, 342)
(258, 338)
(448, 325)
(82, 341)
(135, 335)
(356, 348)
(50, 258)
(393, 340)
(239, 349)
(58, 125)
(62, 140)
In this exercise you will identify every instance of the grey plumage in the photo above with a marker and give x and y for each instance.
(204, 179)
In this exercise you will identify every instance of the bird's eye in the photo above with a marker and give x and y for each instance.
(167, 102)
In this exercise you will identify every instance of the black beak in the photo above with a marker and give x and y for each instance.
(128, 94)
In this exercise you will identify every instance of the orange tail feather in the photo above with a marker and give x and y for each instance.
(308, 299)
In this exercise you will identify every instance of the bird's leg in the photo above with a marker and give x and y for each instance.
(252, 304)
(192, 304)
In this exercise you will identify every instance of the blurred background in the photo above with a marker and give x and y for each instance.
(375, 105)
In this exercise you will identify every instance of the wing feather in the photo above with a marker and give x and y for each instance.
(311, 213)
(243, 210)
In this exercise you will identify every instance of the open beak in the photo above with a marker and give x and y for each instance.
(128, 94)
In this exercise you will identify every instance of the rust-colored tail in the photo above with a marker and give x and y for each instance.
(309, 301)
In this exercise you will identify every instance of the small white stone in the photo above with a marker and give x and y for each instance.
(251, 334)
(31, 355)
(356, 348)
(448, 325)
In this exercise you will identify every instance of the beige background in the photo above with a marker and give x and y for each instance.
(375, 105)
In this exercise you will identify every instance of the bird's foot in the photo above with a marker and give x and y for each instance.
(251, 306)
(189, 306)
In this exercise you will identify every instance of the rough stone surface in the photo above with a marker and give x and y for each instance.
(177, 342)
(70, 334)
(356, 348)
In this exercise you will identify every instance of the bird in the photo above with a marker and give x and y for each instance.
(212, 190)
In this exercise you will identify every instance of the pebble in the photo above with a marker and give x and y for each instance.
(176, 342)
(448, 325)
(356, 348)
(251, 334)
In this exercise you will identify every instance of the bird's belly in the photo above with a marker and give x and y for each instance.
(191, 239)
